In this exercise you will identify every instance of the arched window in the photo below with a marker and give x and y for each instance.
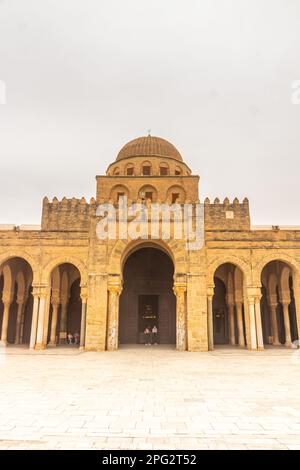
(146, 169)
(129, 169)
(116, 171)
(176, 194)
(148, 192)
(164, 169)
(117, 192)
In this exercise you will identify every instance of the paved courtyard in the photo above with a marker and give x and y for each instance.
(149, 398)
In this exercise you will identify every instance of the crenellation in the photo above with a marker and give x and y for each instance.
(226, 215)
(67, 214)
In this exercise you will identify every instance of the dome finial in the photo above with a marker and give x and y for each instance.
(149, 132)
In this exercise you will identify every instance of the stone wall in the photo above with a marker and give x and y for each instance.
(67, 214)
(226, 215)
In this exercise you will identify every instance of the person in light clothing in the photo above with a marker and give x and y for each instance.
(154, 335)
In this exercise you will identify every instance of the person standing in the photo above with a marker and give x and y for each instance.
(70, 338)
(147, 333)
(76, 338)
(154, 335)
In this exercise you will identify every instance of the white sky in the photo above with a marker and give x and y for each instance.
(83, 77)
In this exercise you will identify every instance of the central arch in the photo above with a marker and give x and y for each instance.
(147, 298)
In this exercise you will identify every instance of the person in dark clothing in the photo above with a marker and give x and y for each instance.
(147, 334)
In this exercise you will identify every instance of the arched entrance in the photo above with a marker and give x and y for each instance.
(147, 298)
(228, 306)
(278, 311)
(16, 301)
(65, 306)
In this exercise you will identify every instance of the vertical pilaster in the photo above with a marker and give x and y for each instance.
(259, 332)
(196, 310)
(83, 295)
(113, 317)
(179, 291)
(296, 286)
(96, 313)
(210, 326)
(40, 342)
(252, 324)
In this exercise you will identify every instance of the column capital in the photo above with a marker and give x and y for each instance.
(114, 288)
(7, 297)
(6, 302)
(272, 301)
(179, 288)
(253, 291)
(39, 290)
(43, 294)
(20, 300)
(210, 291)
(285, 302)
(84, 293)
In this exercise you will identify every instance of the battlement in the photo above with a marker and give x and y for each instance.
(227, 215)
(67, 214)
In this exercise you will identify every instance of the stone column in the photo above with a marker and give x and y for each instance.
(210, 326)
(20, 303)
(22, 318)
(83, 295)
(253, 340)
(54, 304)
(259, 332)
(296, 286)
(40, 343)
(7, 304)
(34, 321)
(274, 325)
(240, 324)
(231, 323)
(287, 326)
(63, 322)
(179, 291)
(113, 317)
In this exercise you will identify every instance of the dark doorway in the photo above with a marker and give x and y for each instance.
(147, 297)
(220, 314)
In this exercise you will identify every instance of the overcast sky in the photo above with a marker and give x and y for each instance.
(83, 77)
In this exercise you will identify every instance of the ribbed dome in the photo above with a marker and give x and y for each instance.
(149, 146)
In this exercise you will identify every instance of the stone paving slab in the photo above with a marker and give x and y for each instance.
(149, 398)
